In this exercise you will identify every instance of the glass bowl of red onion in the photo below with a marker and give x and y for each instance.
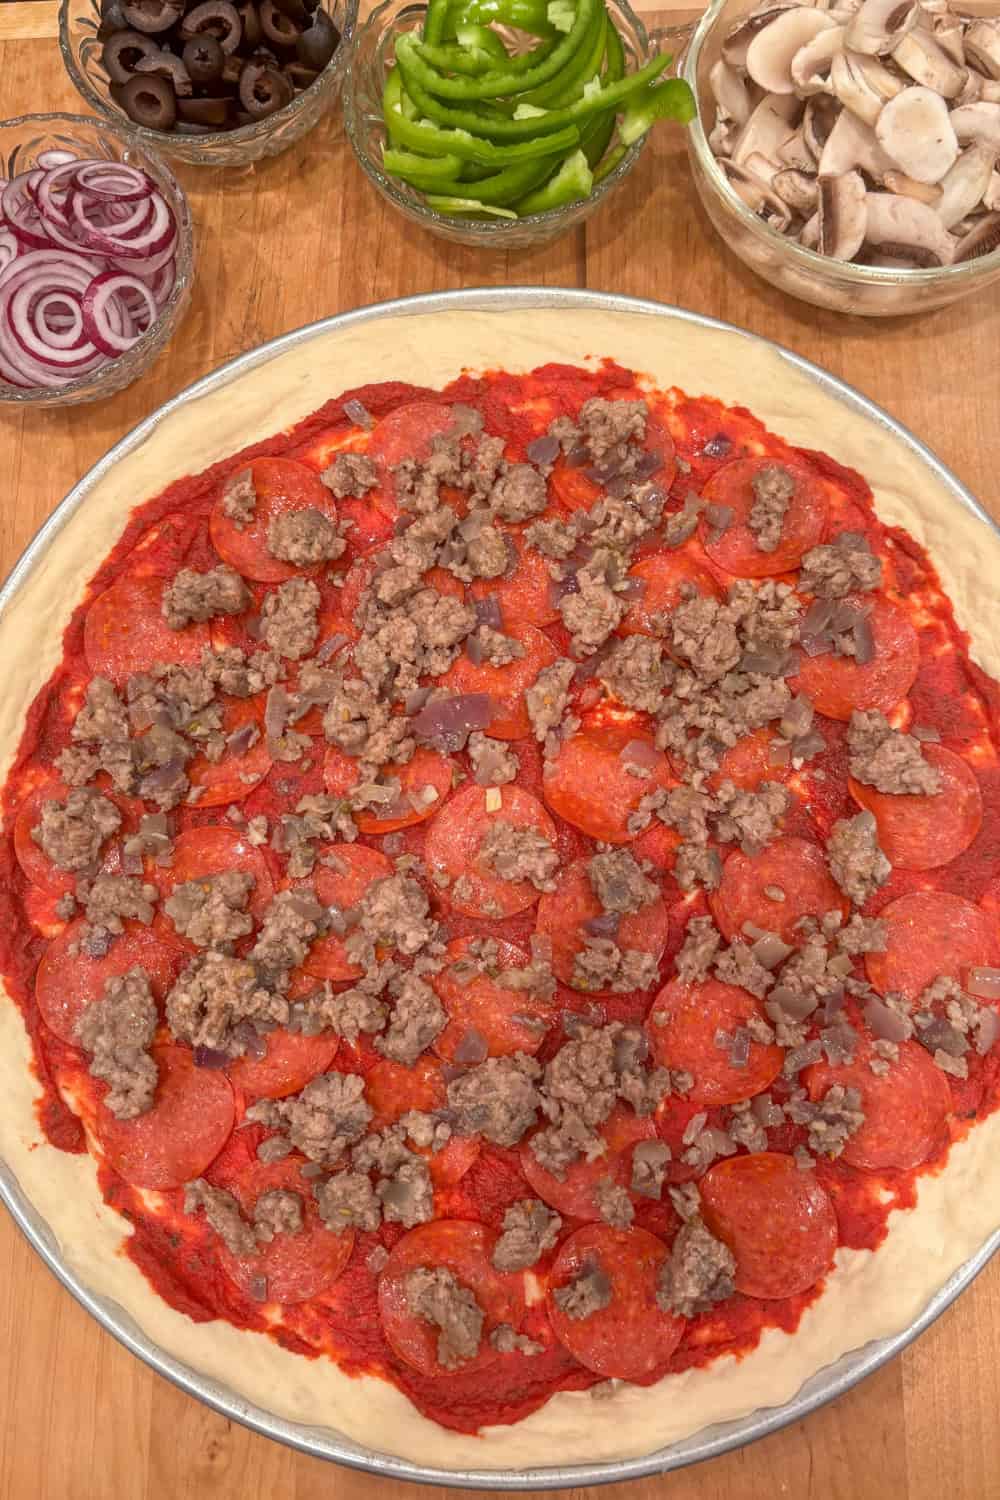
(96, 259)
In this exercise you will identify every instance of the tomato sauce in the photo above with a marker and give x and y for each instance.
(179, 1253)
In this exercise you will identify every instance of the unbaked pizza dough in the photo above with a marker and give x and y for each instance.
(868, 1295)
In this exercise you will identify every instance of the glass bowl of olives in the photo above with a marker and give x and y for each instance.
(211, 82)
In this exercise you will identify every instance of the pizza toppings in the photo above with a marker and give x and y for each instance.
(288, 618)
(351, 474)
(348, 1201)
(327, 1116)
(202, 596)
(211, 912)
(417, 1018)
(117, 1031)
(777, 1221)
(239, 498)
(493, 764)
(587, 1294)
(304, 538)
(437, 1296)
(700, 1269)
(857, 863)
(218, 1004)
(844, 566)
(498, 1099)
(529, 1230)
(888, 759)
(773, 487)
(71, 833)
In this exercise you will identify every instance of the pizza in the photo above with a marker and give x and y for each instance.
(500, 887)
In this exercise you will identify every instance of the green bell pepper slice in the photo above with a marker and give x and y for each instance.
(570, 184)
(503, 81)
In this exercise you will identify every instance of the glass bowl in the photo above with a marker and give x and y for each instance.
(373, 56)
(81, 51)
(21, 141)
(872, 291)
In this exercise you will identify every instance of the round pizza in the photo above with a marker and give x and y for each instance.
(500, 880)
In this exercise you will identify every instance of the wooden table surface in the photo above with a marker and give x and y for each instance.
(284, 243)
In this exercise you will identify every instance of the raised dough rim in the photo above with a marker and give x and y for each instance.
(35, 602)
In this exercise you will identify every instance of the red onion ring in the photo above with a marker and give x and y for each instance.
(96, 320)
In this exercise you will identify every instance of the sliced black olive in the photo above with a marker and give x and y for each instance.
(294, 9)
(300, 75)
(165, 65)
(150, 102)
(252, 32)
(204, 59)
(210, 112)
(242, 118)
(232, 70)
(279, 29)
(152, 16)
(188, 127)
(216, 18)
(112, 19)
(316, 46)
(263, 90)
(122, 51)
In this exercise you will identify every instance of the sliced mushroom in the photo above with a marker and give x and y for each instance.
(800, 190)
(757, 196)
(991, 197)
(737, 43)
(989, 90)
(762, 167)
(982, 47)
(770, 54)
(977, 122)
(771, 123)
(972, 88)
(723, 136)
(863, 85)
(948, 32)
(851, 144)
(810, 67)
(982, 239)
(910, 230)
(730, 92)
(916, 131)
(924, 192)
(810, 232)
(928, 64)
(842, 215)
(795, 152)
(822, 113)
(880, 24)
(966, 185)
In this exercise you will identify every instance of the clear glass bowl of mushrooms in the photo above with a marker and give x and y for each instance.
(849, 151)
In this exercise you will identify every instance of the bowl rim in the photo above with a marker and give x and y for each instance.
(491, 228)
(167, 140)
(147, 344)
(808, 260)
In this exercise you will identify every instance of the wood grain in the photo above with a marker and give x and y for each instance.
(280, 245)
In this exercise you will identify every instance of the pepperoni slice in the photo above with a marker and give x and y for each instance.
(736, 549)
(426, 769)
(202, 852)
(777, 1220)
(573, 1194)
(921, 832)
(790, 865)
(464, 1249)
(290, 1061)
(590, 786)
(125, 632)
(191, 1120)
(35, 862)
(576, 492)
(407, 432)
(659, 844)
(685, 1021)
(931, 933)
(392, 1090)
(294, 1267)
(525, 597)
(282, 485)
(564, 913)
(455, 839)
(747, 763)
(342, 884)
(668, 578)
(504, 1020)
(505, 685)
(358, 578)
(906, 1110)
(632, 1338)
(67, 981)
(837, 685)
(234, 776)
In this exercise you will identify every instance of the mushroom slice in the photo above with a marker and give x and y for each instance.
(972, 88)
(730, 92)
(991, 197)
(850, 144)
(800, 190)
(842, 215)
(928, 64)
(916, 131)
(982, 239)
(809, 236)
(948, 32)
(925, 192)
(810, 67)
(863, 85)
(982, 47)
(737, 43)
(770, 125)
(822, 113)
(757, 196)
(880, 24)
(762, 167)
(909, 230)
(770, 54)
(977, 122)
(966, 185)
(795, 152)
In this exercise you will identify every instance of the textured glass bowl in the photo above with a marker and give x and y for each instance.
(870, 290)
(21, 140)
(373, 56)
(81, 50)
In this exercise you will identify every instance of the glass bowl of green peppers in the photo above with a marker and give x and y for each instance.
(504, 123)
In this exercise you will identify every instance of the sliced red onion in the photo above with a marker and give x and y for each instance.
(983, 982)
(604, 926)
(544, 450)
(864, 642)
(472, 1049)
(561, 588)
(331, 646)
(640, 753)
(53, 158)
(102, 290)
(987, 1031)
(211, 1057)
(786, 1004)
(116, 181)
(766, 1112)
(884, 1023)
(739, 1048)
(797, 718)
(475, 650)
(632, 588)
(770, 950)
(448, 722)
(719, 517)
(359, 414)
(488, 612)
